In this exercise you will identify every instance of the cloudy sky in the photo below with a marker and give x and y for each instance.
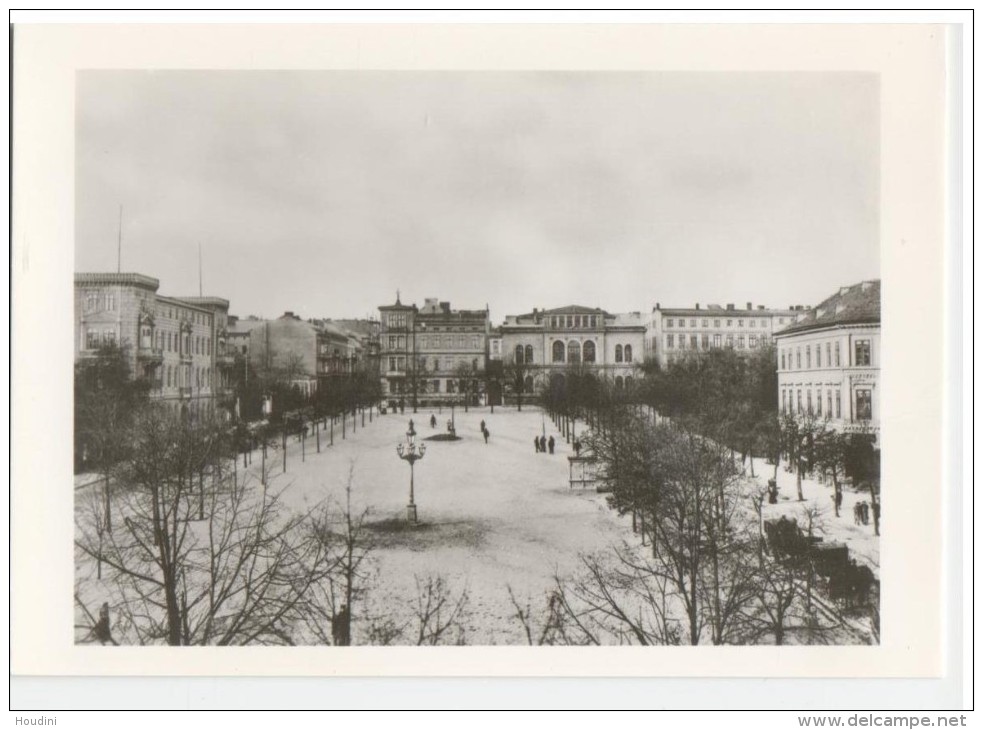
(325, 192)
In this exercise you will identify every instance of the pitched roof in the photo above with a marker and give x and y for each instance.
(856, 304)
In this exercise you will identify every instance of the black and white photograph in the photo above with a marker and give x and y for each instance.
(504, 351)
(370, 358)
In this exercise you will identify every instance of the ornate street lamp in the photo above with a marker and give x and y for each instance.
(411, 452)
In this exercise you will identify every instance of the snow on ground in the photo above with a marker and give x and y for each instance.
(864, 545)
(491, 515)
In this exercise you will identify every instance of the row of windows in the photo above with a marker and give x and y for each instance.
(862, 406)
(573, 321)
(697, 342)
(95, 301)
(170, 341)
(763, 323)
(396, 321)
(861, 355)
(571, 352)
(437, 342)
(179, 377)
(95, 338)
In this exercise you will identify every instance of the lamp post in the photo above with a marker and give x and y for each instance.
(411, 453)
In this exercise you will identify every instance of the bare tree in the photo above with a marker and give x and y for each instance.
(437, 612)
(515, 372)
(214, 561)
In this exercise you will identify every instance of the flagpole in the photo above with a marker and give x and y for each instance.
(119, 242)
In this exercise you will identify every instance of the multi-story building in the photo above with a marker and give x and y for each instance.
(427, 353)
(676, 332)
(829, 360)
(548, 341)
(363, 341)
(174, 343)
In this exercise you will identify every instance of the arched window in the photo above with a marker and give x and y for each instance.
(627, 353)
(619, 382)
(590, 351)
(527, 384)
(529, 358)
(573, 351)
(519, 360)
(168, 378)
(558, 352)
(628, 381)
(619, 354)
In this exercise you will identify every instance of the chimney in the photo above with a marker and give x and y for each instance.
(657, 305)
(761, 306)
(697, 305)
(749, 306)
(730, 307)
(288, 314)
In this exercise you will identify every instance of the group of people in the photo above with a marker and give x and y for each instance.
(542, 444)
(861, 513)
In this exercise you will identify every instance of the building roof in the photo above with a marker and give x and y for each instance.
(244, 326)
(116, 279)
(208, 302)
(574, 309)
(856, 304)
(714, 310)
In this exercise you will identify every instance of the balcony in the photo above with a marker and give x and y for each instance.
(225, 360)
(150, 355)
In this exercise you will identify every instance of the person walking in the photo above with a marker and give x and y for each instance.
(482, 425)
(535, 442)
(551, 443)
(486, 434)
(542, 444)
(433, 421)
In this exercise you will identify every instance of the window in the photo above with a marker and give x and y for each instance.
(436, 364)
(819, 356)
(436, 386)
(836, 352)
(450, 386)
(668, 323)
(619, 382)
(110, 302)
(681, 322)
(692, 323)
(527, 384)
(730, 340)
(573, 352)
(705, 342)
(798, 401)
(740, 323)
(576, 321)
(753, 323)
(716, 340)
(798, 358)
(730, 323)
(829, 357)
(569, 320)
(519, 355)
(753, 341)
(837, 402)
(558, 351)
(740, 342)
(809, 402)
(808, 356)
(91, 340)
(628, 351)
(553, 322)
(819, 403)
(829, 403)
(783, 359)
(392, 363)
(706, 323)
(619, 353)
(590, 351)
(146, 338)
(692, 343)
(669, 339)
(529, 358)
(475, 343)
(716, 323)
(784, 402)
(682, 342)
(863, 410)
(861, 353)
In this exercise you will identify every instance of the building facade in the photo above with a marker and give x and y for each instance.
(174, 343)
(548, 341)
(829, 360)
(429, 354)
(677, 332)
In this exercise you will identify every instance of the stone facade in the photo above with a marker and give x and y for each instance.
(676, 332)
(829, 360)
(173, 343)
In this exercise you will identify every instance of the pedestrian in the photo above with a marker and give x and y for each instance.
(535, 442)
(482, 425)
(486, 434)
(433, 421)
(857, 514)
(838, 498)
(865, 512)
(551, 443)
(576, 448)
(542, 444)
